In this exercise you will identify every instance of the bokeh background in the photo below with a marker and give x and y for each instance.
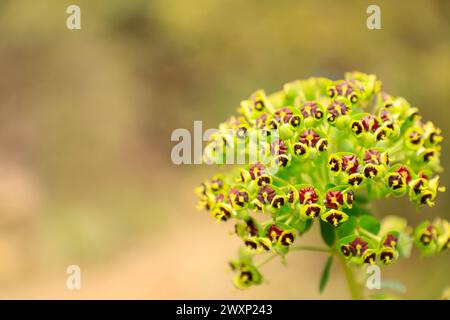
(86, 116)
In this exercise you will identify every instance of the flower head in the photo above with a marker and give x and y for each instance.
(319, 151)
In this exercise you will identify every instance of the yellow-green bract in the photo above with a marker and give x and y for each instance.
(324, 150)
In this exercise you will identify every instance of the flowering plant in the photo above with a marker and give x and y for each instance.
(323, 150)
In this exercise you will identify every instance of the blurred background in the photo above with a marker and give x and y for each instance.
(86, 116)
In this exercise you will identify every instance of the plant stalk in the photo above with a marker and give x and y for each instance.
(353, 286)
(311, 248)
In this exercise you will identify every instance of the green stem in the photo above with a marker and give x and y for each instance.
(369, 234)
(311, 248)
(353, 286)
(266, 260)
(280, 180)
(283, 216)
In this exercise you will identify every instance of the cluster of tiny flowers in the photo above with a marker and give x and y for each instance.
(364, 250)
(433, 237)
(324, 148)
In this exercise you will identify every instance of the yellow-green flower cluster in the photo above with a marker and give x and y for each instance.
(322, 149)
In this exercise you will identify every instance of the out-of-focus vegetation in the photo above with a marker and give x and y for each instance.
(86, 117)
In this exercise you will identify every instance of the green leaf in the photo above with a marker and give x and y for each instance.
(327, 232)
(360, 199)
(345, 240)
(330, 186)
(370, 224)
(347, 228)
(325, 274)
(358, 211)
(303, 226)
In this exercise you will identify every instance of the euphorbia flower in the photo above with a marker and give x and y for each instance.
(339, 146)
(308, 195)
(350, 163)
(310, 109)
(372, 156)
(335, 217)
(266, 194)
(334, 199)
(358, 246)
(256, 170)
(337, 108)
(404, 172)
(283, 115)
(309, 137)
(370, 123)
(274, 233)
